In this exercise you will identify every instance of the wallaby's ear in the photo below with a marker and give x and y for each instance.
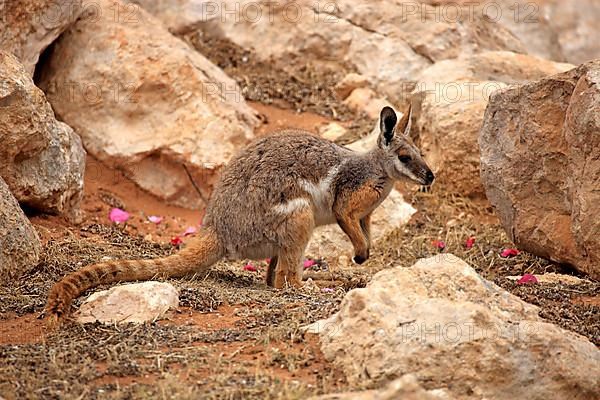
(405, 121)
(387, 123)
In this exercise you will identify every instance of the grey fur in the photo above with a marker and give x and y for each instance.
(264, 182)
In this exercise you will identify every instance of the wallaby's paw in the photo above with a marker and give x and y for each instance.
(360, 258)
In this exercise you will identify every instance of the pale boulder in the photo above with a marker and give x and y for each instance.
(20, 245)
(405, 388)
(366, 101)
(348, 83)
(458, 334)
(450, 101)
(539, 164)
(145, 102)
(383, 41)
(332, 131)
(41, 159)
(523, 18)
(30, 26)
(576, 25)
(136, 302)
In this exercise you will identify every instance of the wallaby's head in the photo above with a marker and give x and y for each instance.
(402, 159)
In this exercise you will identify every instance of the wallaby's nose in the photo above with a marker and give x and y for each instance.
(430, 177)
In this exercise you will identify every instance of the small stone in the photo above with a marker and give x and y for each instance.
(332, 131)
(349, 83)
(136, 302)
(366, 100)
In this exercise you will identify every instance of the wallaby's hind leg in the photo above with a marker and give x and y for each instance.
(295, 233)
(289, 268)
(271, 271)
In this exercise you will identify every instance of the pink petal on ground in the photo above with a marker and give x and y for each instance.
(470, 243)
(440, 244)
(117, 215)
(155, 219)
(249, 267)
(527, 278)
(327, 290)
(509, 253)
(309, 263)
(190, 231)
(176, 241)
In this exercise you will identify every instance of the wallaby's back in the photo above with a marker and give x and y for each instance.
(265, 177)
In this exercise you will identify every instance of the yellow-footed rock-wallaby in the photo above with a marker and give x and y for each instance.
(269, 199)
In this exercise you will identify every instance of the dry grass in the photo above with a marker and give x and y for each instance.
(245, 360)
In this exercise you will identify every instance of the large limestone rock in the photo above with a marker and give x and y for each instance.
(457, 333)
(136, 302)
(29, 26)
(145, 102)
(576, 23)
(449, 102)
(523, 18)
(388, 42)
(20, 245)
(540, 167)
(41, 159)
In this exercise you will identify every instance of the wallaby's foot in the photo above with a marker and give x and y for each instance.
(360, 258)
(282, 280)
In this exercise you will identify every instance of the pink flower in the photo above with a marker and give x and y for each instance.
(155, 219)
(506, 253)
(440, 244)
(470, 243)
(249, 267)
(527, 278)
(190, 231)
(268, 260)
(117, 215)
(327, 290)
(176, 241)
(309, 263)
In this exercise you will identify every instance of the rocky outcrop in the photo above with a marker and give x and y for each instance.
(450, 101)
(145, 102)
(20, 245)
(539, 164)
(41, 159)
(523, 18)
(29, 26)
(389, 43)
(576, 24)
(457, 333)
(136, 302)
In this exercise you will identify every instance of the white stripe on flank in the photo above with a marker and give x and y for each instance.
(321, 191)
(292, 205)
(321, 195)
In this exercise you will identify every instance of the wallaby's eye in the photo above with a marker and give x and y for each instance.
(404, 159)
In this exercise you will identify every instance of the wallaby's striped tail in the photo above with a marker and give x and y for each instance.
(197, 256)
